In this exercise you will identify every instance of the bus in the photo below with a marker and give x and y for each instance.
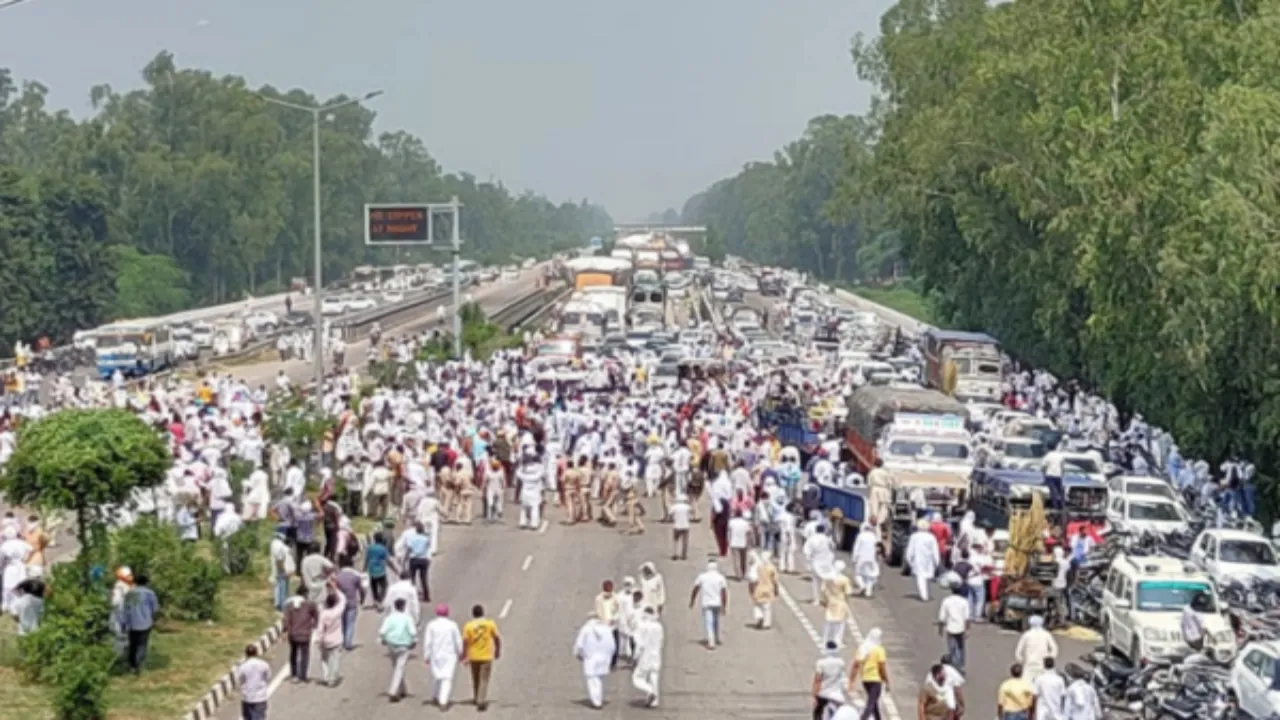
(135, 348)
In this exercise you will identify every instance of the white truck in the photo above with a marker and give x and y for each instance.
(612, 299)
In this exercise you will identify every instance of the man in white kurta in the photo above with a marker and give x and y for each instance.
(531, 476)
(595, 647)
(442, 646)
(1035, 645)
(648, 637)
(866, 561)
(924, 557)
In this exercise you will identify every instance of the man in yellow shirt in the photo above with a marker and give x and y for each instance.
(481, 646)
(1015, 700)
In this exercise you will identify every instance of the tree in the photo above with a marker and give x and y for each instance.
(206, 189)
(149, 285)
(84, 462)
(797, 210)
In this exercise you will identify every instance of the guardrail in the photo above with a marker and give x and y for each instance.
(889, 315)
(531, 309)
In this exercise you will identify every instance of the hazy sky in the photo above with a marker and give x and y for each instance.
(634, 104)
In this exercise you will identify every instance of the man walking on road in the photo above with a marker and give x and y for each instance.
(711, 591)
(482, 646)
(301, 616)
(595, 645)
(253, 677)
(417, 544)
(399, 635)
(442, 647)
(953, 623)
(649, 638)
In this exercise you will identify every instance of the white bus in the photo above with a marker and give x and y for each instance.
(135, 348)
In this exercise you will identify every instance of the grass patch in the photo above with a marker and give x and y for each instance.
(901, 298)
(184, 660)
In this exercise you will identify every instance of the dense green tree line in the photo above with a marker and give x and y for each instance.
(194, 190)
(1093, 182)
(800, 210)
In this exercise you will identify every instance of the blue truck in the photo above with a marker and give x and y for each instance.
(852, 504)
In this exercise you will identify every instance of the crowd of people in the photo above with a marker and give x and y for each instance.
(453, 445)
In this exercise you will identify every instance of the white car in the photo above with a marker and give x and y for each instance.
(1142, 606)
(1235, 555)
(202, 335)
(333, 305)
(1138, 513)
(1255, 678)
(392, 296)
(666, 374)
(262, 321)
(1016, 453)
(1142, 486)
(510, 275)
(360, 303)
(1090, 464)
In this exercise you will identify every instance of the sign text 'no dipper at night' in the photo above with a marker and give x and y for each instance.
(398, 224)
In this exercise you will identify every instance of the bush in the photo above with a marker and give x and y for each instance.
(185, 583)
(81, 675)
(239, 550)
(74, 617)
(238, 471)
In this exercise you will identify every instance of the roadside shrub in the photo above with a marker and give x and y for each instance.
(237, 472)
(239, 551)
(185, 582)
(74, 617)
(80, 675)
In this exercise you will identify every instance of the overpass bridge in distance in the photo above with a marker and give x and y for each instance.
(624, 229)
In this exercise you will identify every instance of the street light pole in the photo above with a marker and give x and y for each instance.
(318, 282)
(318, 347)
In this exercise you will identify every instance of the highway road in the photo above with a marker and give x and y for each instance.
(539, 587)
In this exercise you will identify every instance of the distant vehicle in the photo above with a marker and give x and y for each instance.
(262, 321)
(296, 319)
(392, 297)
(360, 303)
(202, 335)
(333, 305)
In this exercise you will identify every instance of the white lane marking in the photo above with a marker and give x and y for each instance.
(278, 680)
(886, 701)
(506, 608)
(543, 527)
(528, 560)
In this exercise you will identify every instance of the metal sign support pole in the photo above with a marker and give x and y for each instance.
(457, 282)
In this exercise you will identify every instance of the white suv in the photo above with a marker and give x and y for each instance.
(1142, 608)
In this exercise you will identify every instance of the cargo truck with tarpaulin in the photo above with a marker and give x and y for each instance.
(927, 453)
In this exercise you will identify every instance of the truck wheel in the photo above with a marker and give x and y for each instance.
(895, 555)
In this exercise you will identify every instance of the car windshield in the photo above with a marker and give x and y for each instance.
(1047, 436)
(1172, 596)
(556, 348)
(1150, 489)
(929, 449)
(1084, 466)
(667, 369)
(1247, 552)
(1159, 512)
(1024, 450)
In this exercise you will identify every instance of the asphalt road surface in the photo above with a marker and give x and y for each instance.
(539, 586)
